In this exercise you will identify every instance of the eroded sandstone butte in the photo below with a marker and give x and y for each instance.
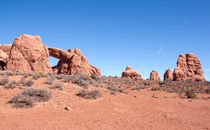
(29, 54)
(168, 75)
(188, 68)
(131, 73)
(154, 75)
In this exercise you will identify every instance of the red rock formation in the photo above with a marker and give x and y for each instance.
(3, 59)
(3, 56)
(154, 75)
(6, 48)
(29, 54)
(72, 61)
(168, 75)
(131, 73)
(188, 68)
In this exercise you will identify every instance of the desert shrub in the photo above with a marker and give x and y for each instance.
(11, 85)
(29, 83)
(49, 81)
(42, 74)
(60, 76)
(190, 93)
(39, 95)
(22, 101)
(155, 88)
(138, 88)
(82, 83)
(26, 82)
(93, 94)
(114, 89)
(4, 81)
(57, 86)
(81, 76)
(36, 76)
(146, 83)
(9, 73)
(2, 73)
(95, 77)
(207, 90)
(66, 78)
(18, 73)
(22, 81)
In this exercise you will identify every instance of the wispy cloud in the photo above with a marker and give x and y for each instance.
(159, 51)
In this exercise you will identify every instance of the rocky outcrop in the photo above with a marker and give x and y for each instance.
(168, 75)
(6, 48)
(72, 61)
(131, 73)
(29, 54)
(3, 56)
(188, 68)
(3, 59)
(154, 75)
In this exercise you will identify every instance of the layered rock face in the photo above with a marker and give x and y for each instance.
(168, 75)
(131, 73)
(188, 68)
(29, 54)
(72, 61)
(154, 75)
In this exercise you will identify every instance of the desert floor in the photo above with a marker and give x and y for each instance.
(137, 110)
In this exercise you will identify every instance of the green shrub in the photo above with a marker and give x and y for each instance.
(155, 88)
(42, 74)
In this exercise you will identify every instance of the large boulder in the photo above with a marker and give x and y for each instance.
(29, 54)
(154, 75)
(72, 61)
(168, 75)
(131, 73)
(188, 68)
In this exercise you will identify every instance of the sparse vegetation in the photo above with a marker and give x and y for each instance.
(26, 82)
(36, 76)
(114, 89)
(39, 95)
(207, 90)
(22, 101)
(42, 74)
(11, 85)
(190, 93)
(4, 81)
(93, 94)
(29, 97)
(49, 81)
(58, 86)
(155, 88)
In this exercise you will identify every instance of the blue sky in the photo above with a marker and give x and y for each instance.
(145, 34)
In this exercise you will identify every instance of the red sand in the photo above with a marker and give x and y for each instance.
(135, 111)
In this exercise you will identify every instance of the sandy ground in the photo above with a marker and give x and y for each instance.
(137, 110)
